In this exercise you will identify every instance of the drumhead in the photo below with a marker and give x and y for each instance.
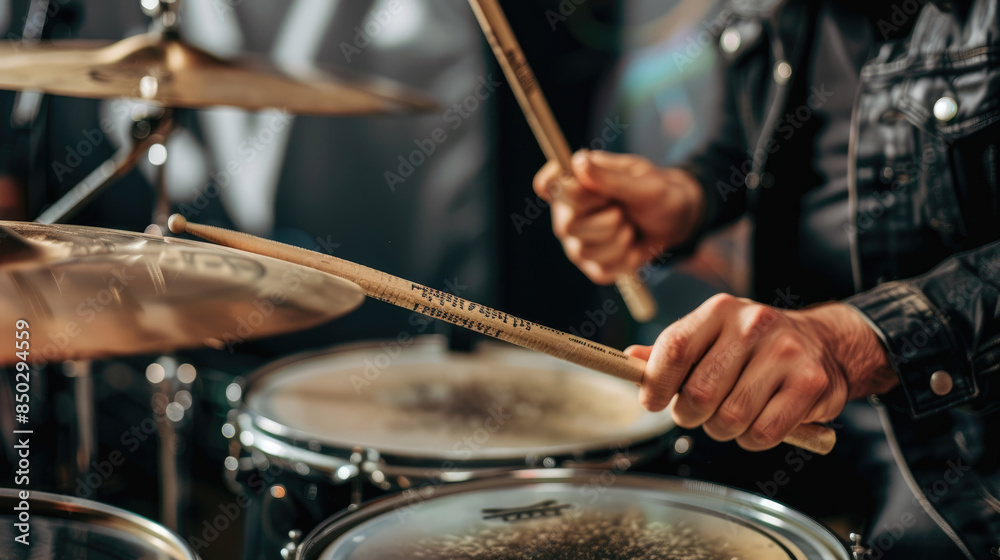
(498, 403)
(64, 527)
(555, 514)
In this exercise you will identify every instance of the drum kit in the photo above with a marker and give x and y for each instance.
(425, 452)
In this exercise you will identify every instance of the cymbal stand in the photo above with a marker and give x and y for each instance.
(82, 380)
(171, 404)
(148, 130)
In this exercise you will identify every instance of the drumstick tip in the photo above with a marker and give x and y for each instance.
(177, 223)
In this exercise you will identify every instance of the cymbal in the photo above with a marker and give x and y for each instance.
(91, 293)
(161, 68)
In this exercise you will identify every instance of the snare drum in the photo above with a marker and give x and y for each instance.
(387, 417)
(572, 514)
(61, 527)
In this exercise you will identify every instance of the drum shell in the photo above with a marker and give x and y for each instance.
(167, 545)
(778, 519)
(294, 481)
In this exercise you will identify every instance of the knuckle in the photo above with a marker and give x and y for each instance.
(763, 435)
(572, 248)
(718, 301)
(739, 406)
(729, 420)
(653, 401)
(698, 396)
(813, 380)
(787, 346)
(598, 256)
(561, 224)
(758, 318)
(675, 344)
(641, 166)
(597, 273)
(541, 185)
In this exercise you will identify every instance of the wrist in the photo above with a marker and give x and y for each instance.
(691, 210)
(853, 346)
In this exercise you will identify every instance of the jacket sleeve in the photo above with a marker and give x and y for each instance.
(942, 331)
(720, 165)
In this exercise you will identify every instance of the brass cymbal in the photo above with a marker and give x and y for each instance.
(166, 70)
(90, 293)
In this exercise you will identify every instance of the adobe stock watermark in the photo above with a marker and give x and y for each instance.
(75, 154)
(900, 16)
(132, 438)
(87, 310)
(247, 149)
(455, 116)
(892, 531)
(389, 351)
(785, 129)
(902, 176)
(697, 43)
(226, 7)
(492, 421)
(229, 513)
(566, 9)
(33, 22)
(264, 307)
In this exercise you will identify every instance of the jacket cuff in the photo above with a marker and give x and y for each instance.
(931, 366)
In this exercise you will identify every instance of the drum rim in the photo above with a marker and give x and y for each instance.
(293, 444)
(330, 530)
(59, 506)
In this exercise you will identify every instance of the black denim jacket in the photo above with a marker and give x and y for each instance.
(924, 180)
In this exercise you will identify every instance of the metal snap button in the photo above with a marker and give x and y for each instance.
(941, 383)
(730, 41)
(945, 109)
(782, 72)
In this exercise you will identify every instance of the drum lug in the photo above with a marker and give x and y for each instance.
(858, 550)
(294, 538)
(369, 461)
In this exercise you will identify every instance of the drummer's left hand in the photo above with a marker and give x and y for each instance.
(754, 372)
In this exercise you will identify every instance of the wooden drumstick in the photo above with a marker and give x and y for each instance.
(638, 299)
(464, 313)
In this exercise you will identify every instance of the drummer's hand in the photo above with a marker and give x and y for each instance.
(618, 211)
(753, 372)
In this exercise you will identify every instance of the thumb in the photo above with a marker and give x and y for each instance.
(617, 176)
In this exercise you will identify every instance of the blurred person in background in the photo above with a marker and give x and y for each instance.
(862, 140)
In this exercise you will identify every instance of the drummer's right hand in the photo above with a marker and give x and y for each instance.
(618, 211)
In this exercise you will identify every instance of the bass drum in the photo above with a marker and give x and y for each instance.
(552, 514)
(322, 432)
(61, 527)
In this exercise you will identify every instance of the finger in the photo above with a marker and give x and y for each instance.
(678, 349)
(598, 273)
(616, 176)
(599, 226)
(639, 351)
(740, 409)
(567, 189)
(609, 254)
(611, 161)
(788, 408)
(544, 179)
(711, 381)
(715, 376)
